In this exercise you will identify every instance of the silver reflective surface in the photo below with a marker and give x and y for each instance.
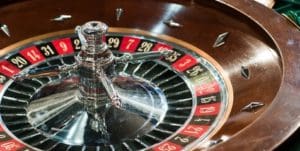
(95, 98)
(57, 112)
(72, 108)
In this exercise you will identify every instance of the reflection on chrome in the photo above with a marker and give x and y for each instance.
(61, 115)
(95, 93)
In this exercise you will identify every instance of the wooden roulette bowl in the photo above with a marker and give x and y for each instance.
(252, 49)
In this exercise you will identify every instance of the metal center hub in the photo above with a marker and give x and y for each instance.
(98, 96)
(144, 106)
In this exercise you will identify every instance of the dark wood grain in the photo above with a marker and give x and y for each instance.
(259, 39)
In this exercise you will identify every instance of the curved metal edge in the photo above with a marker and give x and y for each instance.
(267, 3)
(282, 118)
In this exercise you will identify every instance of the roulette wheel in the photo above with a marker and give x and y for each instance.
(161, 75)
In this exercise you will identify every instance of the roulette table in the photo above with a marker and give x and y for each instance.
(162, 75)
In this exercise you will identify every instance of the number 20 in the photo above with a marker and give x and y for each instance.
(19, 61)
